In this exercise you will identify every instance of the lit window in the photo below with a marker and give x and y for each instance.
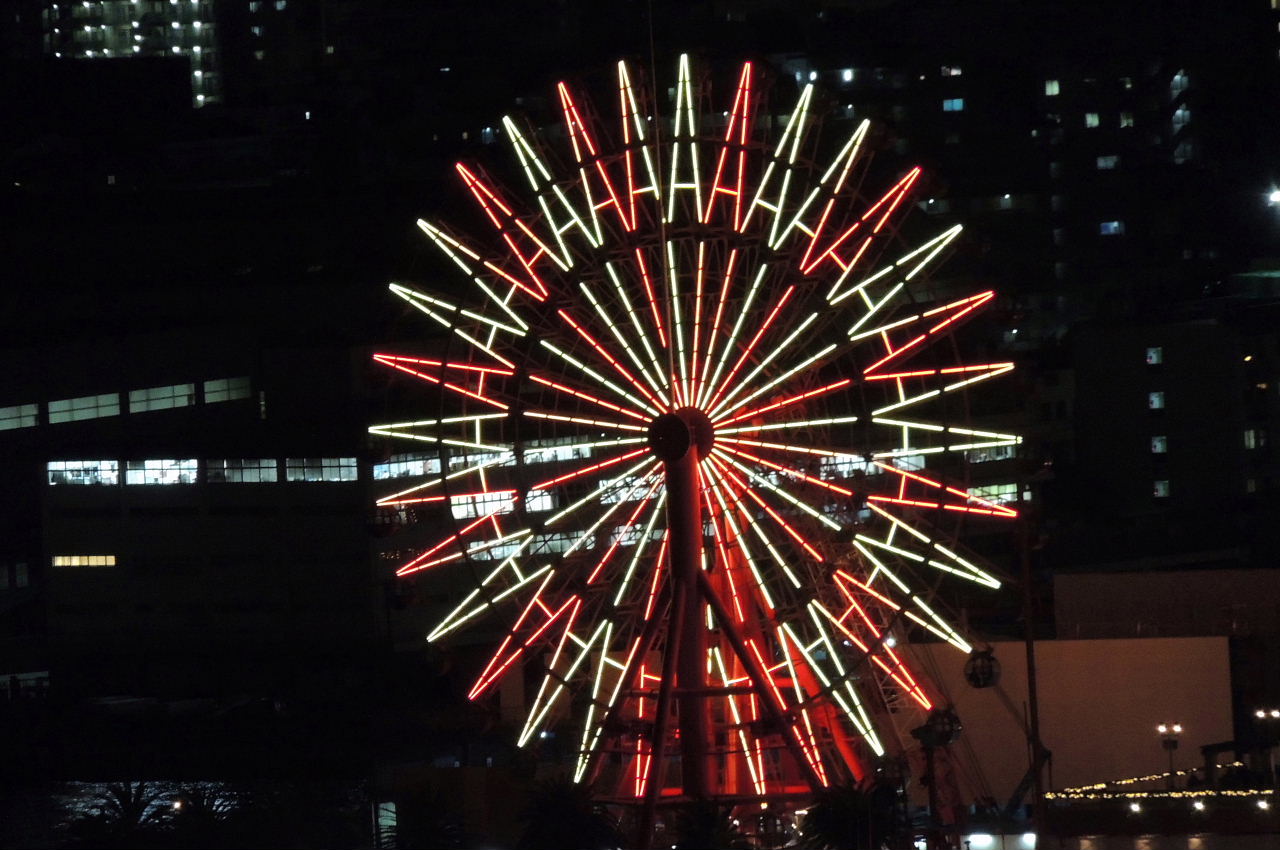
(1111, 228)
(225, 389)
(320, 469)
(84, 560)
(1127, 83)
(1160, 488)
(254, 6)
(952, 70)
(1255, 438)
(1126, 119)
(403, 465)
(1092, 119)
(1155, 400)
(539, 500)
(256, 30)
(1107, 163)
(160, 471)
(1155, 355)
(241, 470)
(162, 398)
(953, 104)
(281, 5)
(83, 472)
(1159, 445)
(1000, 494)
(1051, 88)
(19, 416)
(85, 407)
(482, 504)
(990, 453)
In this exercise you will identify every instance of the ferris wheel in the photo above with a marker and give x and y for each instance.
(697, 441)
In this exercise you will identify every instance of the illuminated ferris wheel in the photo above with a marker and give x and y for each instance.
(697, 439)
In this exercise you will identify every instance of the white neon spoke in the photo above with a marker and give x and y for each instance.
(684, 133)
(775, 351)
(643, 543)
(618, 334)
(773, 488)
(587, 370)
(677, 322)
(931, 249)
(745, 512)
(578, 420)
(743, 310)
(779, 426)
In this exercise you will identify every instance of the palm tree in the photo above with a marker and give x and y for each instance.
(850, 817)
(124, 814)
(561, 815)
(707, 825)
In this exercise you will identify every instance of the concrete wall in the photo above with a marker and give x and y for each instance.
(1100, 701)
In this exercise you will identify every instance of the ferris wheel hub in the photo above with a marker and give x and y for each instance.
(672, 435)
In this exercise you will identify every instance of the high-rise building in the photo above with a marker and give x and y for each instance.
(113, 29)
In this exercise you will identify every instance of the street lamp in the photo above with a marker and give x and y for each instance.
(1169, 733)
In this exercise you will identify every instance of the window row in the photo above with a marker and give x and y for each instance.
(108, 404)
(216, 471)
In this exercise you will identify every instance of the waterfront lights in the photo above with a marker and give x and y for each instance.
(1135, 807)
(1169, 733)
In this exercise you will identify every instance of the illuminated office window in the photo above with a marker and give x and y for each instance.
(226, 389)
(84, 407)
(251, 470)
(19, 416)
(83, 472)
(84, 561)
(160, 471)
(320, 469)
(162, 398)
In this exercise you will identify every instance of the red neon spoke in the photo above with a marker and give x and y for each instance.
(893, 198)
(440, 382)
(843, 382)
(699, 279)
(965, 509)
(428, 499)
(773, 685)
(416, 564)
(794, 473)
(884, 646)
(755, 497)
(715, 323)
(587, 397)
(392, 359)
(746, 352)
(724, 557)
(580, 138)
(651, 295)
(503, 218)
(657, 575)
(586, 470)
(915, 693)
(926, 373)
(620, 532)
(968, 305)
(994, 508)
(739, 125)
(618, 367)
(490, 674)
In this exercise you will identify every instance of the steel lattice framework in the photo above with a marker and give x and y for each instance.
(693, 447)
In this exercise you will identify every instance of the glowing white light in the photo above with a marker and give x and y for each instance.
(981, 840)
(1028, 839)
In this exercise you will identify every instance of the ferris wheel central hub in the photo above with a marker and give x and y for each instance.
(672, 435)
